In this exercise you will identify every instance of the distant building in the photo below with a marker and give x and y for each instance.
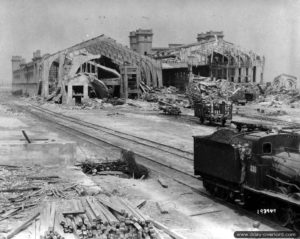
(285, 81)
(202, 37)
(211, 56)
(25, 75)
(94, 68)
(141, 41)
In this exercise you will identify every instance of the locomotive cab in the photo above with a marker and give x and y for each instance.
(261, 167)
(275, 160)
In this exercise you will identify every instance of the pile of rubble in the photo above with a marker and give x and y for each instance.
(126, 164)
(218, 90)
(276, 97)
(57, 209)
(24, 188)
(167, 96)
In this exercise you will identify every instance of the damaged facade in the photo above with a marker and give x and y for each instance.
(88, 69)
(212, 57)
(101, 67)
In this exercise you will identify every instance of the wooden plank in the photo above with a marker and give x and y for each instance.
(10, 212)
(166, 230)
(205, 212)
(135, 211)
(162, 183)
(52, 216)
(114, 200)
(43, 177)
(110, 173)
(110, 217)
(112, 81)
(43, 220)
(141, 204)
(10, 190)
(73, 207)
(110, 205)
(79, 205)
(89, 213)
(22, 226)
(97, 211)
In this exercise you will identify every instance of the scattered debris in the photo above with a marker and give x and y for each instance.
(26, 136)
(134, 169)
(22, 227)
(20, 190)
(141, 204)
(221, 90)
(166, 230)
(256, 224)
(205, 212)
(126, 165)
(161, 208)
(171, 109)
(102, 217)
(162, 183)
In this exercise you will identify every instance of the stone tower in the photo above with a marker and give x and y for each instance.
(141, 41)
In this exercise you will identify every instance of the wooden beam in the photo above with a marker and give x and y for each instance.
(112, 81)
(105, 68)
(22, 227)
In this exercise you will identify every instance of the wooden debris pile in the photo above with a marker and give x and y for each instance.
(94, 168)
(101, 217)
(127, 164)
(20, 190)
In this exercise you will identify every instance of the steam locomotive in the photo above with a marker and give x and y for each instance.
(260, 168)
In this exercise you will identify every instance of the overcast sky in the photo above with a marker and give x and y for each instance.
(268, 27)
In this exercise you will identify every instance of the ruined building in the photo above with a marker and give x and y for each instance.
(211, 56)
(99, 67)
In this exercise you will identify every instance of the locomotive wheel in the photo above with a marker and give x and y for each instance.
(208, 187)
(215, 191)
(205, 185)
(223, 193)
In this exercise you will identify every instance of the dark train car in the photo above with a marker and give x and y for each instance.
(213, 112)
(252, 166)
(215, 157)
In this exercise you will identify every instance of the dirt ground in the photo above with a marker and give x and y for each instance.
(180, 201)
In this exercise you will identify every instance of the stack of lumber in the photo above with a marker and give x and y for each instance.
(47, 222)
(106, 217)
(100, 217)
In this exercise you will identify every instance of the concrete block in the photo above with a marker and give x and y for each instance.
(14, 152)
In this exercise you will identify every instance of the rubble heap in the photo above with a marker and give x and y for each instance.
(218, 91)
(276, 96)
(127, 164)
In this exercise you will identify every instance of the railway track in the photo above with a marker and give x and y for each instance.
(283, 123)
(187, 179)
(142, 147)
(139, 140)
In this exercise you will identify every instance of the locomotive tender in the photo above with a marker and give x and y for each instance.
(253, 168)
